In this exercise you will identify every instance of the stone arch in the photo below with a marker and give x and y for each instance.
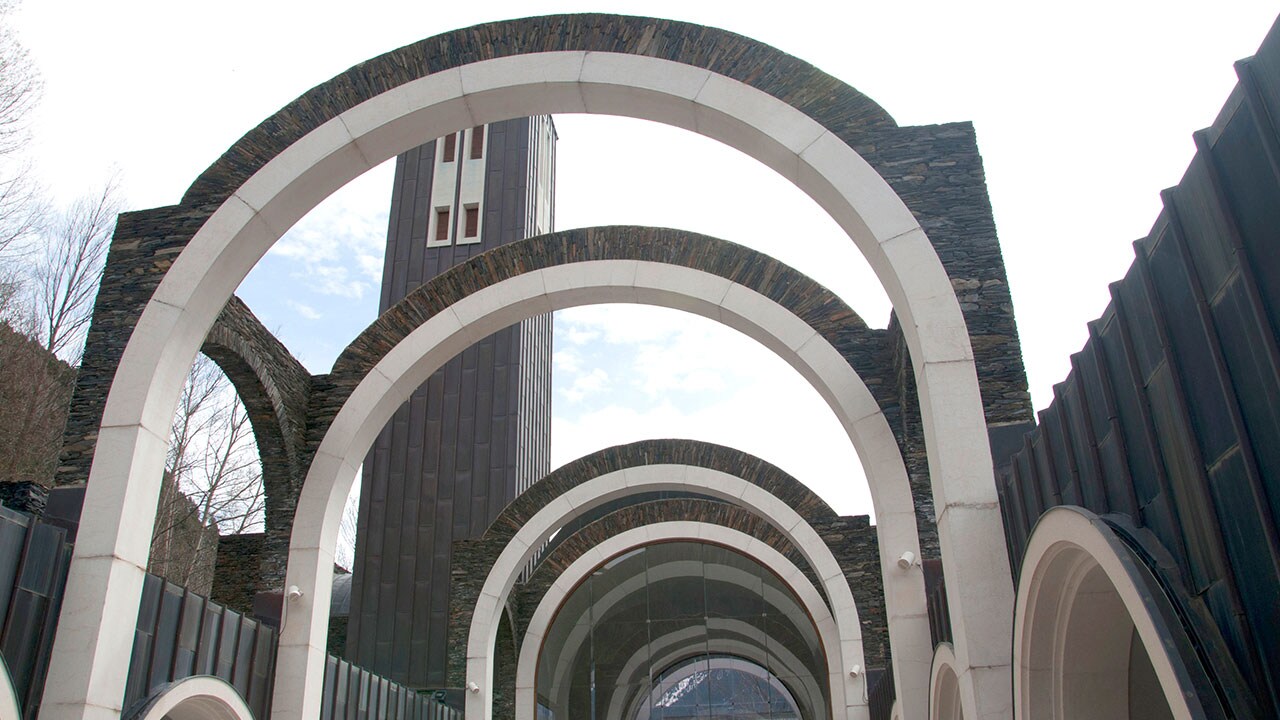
(803, 124)
(944, 685)
(740, 650)
(392, 360)
(542, 580)
(650, 478)
(275, 389)
(675, 648)
(1091, 629)
(725, 267)
(812, 508)
(845, 701)
(199, 697)
(440, 333)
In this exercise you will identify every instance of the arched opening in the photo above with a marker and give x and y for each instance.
(635, 633)
(395, 371)
(271, 179)
(838, 626)
(1086, 637)
(944, 686)
(718, 687)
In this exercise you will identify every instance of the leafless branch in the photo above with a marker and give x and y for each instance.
(66, 276)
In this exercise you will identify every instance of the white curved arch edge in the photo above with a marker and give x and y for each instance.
(944, 685)
(425, 349)
(200, 697)
(1067, 545)
(846, 696)
(9, 706)
(106, 580)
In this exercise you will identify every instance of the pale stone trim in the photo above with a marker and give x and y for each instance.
(199, 697)
(1068, 545)
(944, 685)
(85, 676)
(846, 693)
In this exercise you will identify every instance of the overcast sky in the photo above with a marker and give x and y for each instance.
(1084, 112)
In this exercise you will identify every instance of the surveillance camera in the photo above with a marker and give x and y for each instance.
(472, 687)
(907, 560)
(293, 593)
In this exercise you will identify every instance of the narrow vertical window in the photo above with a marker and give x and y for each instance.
(442, 224)
(471, 221)
(450, 147)
(477, 142)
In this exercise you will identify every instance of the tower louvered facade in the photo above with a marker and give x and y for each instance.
(478, 432)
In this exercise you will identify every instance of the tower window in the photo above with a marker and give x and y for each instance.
(442, 224)
(477, 142)
(450, 147)
(471, 221)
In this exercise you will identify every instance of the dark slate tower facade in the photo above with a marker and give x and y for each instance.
(478, 432)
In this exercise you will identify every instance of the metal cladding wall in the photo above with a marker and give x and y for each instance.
(473, 436)
(181, 634)
(353, 693)
(34, 558)
(1170, 418)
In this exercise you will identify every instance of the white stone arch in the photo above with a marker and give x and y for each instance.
(540, 623)
(578, 634)
(426, 348)
(1085, 628)
(944, 685)
(846, 695)
(106, 575)
(743, 649)
(9, 705)
(199, 697)
(657, 478)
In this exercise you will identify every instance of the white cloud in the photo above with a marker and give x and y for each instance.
(584, 386)
(579, 336)
(332, 280)
(693, 378)
(566, 361)
(304, 310)
(337, 248)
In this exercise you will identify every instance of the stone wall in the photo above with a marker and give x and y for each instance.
(275, 389)
(937, 171)
(236, 575)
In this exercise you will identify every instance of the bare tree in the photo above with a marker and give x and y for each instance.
(65, 277)
(21, 207)
(34, 390)
(213, 481)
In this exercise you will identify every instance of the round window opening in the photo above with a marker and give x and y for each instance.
(680, 630)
